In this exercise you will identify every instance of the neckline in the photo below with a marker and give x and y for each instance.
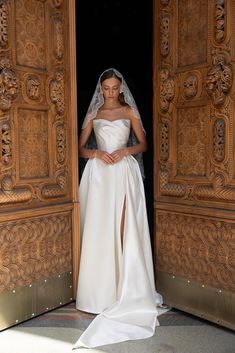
(111, 121)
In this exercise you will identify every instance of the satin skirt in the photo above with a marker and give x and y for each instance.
(116, 277)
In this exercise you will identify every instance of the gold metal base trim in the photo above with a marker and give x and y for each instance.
(198, 299)
(26, 302)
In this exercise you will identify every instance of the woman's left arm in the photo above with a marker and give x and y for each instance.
(141, 146)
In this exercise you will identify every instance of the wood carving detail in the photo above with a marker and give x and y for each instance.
(56, 3)
(6, 143)
(219, 140)
(59, 37)
(3, 24)
(167, 90)
(33, 143)
(165, 36)
(57, 92)
(55, 190)
(34, 249)
(191, 141)
(33, 88)
(220, 18)
(9, 85)
(165, 2)
(219, 78)
(196, 248)
(9, 194)
(61, 143)
(190, 86)
(168, 188)
(164, 143)
(30, 33)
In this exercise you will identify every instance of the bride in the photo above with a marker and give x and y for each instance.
(116, 278)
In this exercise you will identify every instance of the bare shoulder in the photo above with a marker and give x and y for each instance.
(130, 112)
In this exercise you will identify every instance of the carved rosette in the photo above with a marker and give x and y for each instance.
(167, 90)
(9, 85)
(4, 16)
(165, 35)
(57, 92)
(220, 20)
(219, 77)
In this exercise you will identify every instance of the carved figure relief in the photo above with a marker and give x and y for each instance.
(33, 88)
(190, 86)
(220, 17)
(164, 36)
(219, 78)
(9, 85)
(57, 92)
(167, 90)
(3, 24)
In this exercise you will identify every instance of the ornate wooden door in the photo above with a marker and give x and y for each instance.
(194, 118)
(38, 157)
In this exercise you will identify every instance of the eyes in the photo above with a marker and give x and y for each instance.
(107, 88)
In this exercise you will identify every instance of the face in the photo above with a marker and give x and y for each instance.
(111, 88)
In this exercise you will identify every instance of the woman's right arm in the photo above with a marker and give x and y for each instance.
(84, 136)
(91, 153)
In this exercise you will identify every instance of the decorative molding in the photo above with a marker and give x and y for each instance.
(220, 20)
(55, 190)
(165, 2)
(6, 143)
(4, 26)
(164, 141)
(219, 139)
(58, 37)
(60, 143)
(165, 35)
(56, 3)
(9, 194)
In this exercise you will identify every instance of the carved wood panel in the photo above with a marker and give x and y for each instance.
(194, 158)
(34, 104)
(39, 222)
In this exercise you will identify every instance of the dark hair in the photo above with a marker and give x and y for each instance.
(109, 74)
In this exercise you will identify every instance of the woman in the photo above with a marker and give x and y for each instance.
(116, 278)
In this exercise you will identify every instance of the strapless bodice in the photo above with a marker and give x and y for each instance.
(111, 135)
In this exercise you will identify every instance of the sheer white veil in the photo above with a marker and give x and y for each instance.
(98, 100)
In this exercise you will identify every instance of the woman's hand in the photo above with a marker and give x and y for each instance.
(105, 157)
(119, 154)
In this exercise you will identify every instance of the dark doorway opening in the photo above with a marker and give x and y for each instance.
(118, 34)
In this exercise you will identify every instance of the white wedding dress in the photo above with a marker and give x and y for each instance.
(116, 283)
